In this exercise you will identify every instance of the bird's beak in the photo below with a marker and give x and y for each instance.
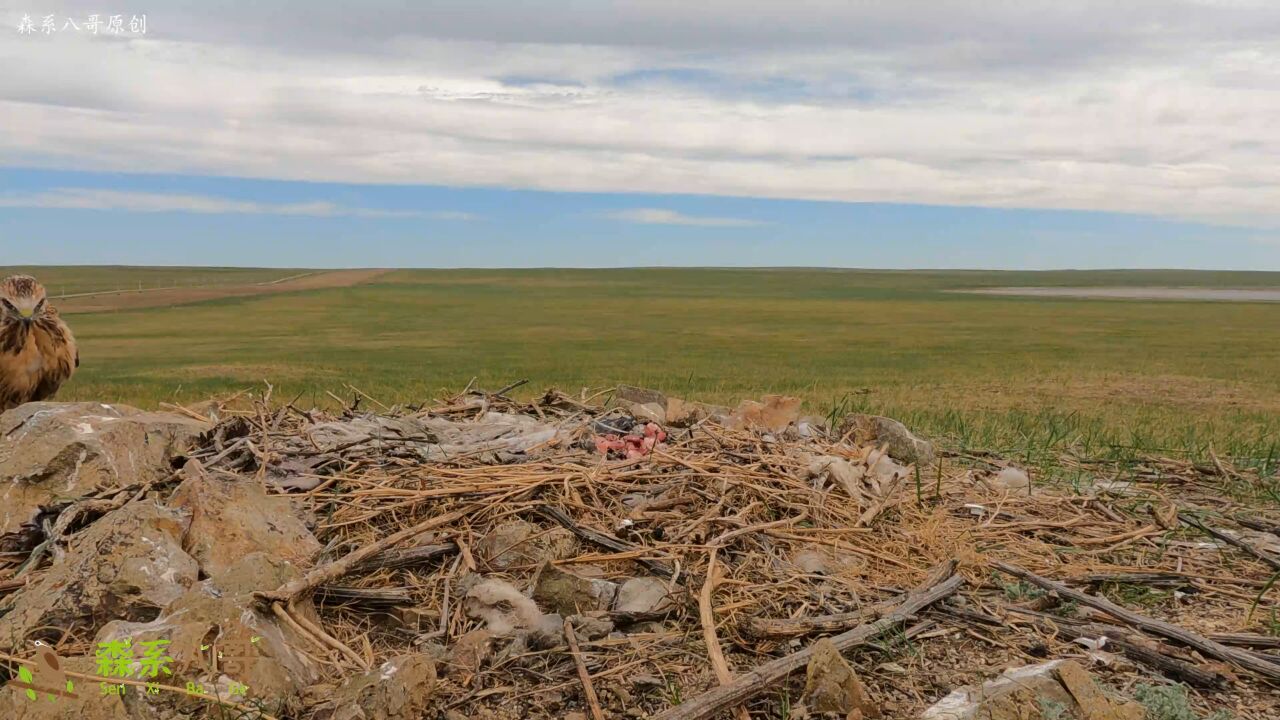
(26, 313)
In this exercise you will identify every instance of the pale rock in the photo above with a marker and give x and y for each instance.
(233, 516)
(469, 652)
(1025, 693)
(128, 565)
(641, 595)
(649, 412)
(60, 452)
(639, 395)
(255, 648)
(569, 594)
(903, 445)
(590, 627)
(774, 414)
(683, 413)
(517, 543)
(89, 703)
(401, 688)
(832, 686)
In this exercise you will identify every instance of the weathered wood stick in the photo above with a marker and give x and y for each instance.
(1236, 656)
(749, 684)
(1136, 578)
(1259, 525)
(1236, 542)
(838, 622)
(408, 557)
(329, 572)
(589, 690)
(374, 598)
(1136, 647)
(1248, 640)
(707, 617)
(601, 539)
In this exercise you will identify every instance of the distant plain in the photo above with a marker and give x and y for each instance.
(1028, 376)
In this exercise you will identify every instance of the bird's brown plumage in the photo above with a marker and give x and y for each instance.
(37, 350)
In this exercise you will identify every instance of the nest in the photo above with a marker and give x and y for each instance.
(761, 542)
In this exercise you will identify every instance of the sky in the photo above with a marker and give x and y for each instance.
(585, 133)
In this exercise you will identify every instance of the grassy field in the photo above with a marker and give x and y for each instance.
(1027, 376)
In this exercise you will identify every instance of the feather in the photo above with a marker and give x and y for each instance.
(37, 350)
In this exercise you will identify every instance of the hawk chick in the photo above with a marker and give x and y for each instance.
(37, 350)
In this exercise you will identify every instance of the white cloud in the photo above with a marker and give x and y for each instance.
(658, 216)
(1158, 110)
(96, 199)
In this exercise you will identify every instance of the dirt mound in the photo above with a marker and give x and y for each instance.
(609, 556)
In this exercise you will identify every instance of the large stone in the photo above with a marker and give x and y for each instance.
(632, 394)
(774, 414)
(832, 686)
(649, 413)
(401, 688)
(517, 543)
(233, 516)
(903, 445)
(216, 640)
(683, 413)
(643, 595)
(54, 452)
(558, 591)
(128, 565)
(88, 704)
(1058, 690)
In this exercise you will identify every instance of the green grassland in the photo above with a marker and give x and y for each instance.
(1028, 376)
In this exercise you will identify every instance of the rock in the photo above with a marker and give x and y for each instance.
(1058, 690)
(517, 543)
(643, 595)
(233, 516)
(633, 394)
(128, 565)
(832, 686)
(89, 703)
(503, 608)
(402, 688)
(251, 648)
(54, 452)
(590, 628)
(683, 413)
(649, 412)
(1011, 480)
(569, 594)
(469, 652)
(903, 445)
(774, 414)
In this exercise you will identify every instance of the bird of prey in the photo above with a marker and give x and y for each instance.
(37, 351)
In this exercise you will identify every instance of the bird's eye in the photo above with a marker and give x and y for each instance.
(9, 305)
(40, 305)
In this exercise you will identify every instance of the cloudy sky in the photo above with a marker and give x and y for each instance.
(584, 132)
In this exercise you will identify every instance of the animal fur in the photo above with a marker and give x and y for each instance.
(37, 350)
